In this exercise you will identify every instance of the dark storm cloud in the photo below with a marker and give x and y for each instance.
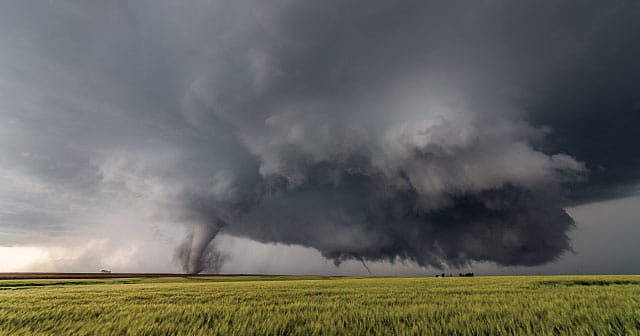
(437, 133)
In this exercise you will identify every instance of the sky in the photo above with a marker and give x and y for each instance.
(333, 137)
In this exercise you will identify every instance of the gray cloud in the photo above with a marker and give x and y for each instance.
(437, 133)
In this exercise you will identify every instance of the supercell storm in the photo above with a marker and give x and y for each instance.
(418, 131)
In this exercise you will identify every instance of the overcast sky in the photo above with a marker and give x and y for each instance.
(413, 137)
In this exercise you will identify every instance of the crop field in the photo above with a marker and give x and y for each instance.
(289, 305)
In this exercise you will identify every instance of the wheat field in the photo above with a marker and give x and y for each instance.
(288, 305)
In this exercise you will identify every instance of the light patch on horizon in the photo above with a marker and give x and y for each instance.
(21, 258)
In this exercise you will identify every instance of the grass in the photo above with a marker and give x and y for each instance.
(255, 305)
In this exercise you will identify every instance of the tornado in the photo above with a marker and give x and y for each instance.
(196, 253)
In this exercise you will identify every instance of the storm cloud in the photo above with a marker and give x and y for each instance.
(437, 133)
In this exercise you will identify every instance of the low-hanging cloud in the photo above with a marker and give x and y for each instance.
(433, 187)
(370, 131)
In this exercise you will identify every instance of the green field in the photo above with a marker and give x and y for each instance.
(580, 305)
